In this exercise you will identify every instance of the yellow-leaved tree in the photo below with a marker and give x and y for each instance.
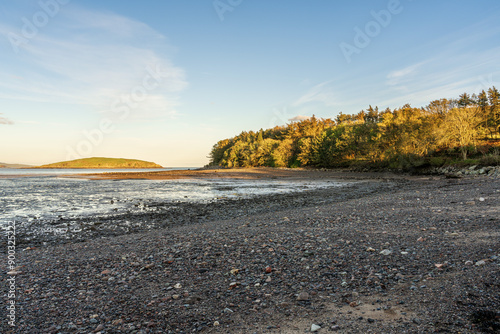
(460, 128)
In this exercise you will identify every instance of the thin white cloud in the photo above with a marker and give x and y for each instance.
(93, 58)
(404, 74)
(401, 73)
(321, 93)
(4, 120)
(439, 77)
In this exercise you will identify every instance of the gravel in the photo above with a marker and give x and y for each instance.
(396, 255)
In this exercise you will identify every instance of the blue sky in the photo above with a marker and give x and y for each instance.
(165, 80)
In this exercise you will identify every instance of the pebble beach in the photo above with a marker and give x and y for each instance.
(388, 253)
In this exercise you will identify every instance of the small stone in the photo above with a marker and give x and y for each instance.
(106, 272)
(268, 279)
(235, 271)
(353, 304)
(233, 285)
(369, 249)
(335, 328)
(469, 263)
(269, 270)
(303, 296)
(117, 322)
(99, 328)
(190, 301)
(481, 199)
(228, 310)
(178, 286)
(308, 253)
(386, 252)
(315, 328)
(370, 320)
(480, 263)
(216, 323)
(420, 239)
(439, 265)
(176, 296)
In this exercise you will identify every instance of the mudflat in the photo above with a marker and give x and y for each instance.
(388, 254)
(243, 173)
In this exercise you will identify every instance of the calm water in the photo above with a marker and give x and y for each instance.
(36, 172)
(44, 198)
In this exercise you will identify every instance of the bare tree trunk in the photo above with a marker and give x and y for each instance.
(463, 149)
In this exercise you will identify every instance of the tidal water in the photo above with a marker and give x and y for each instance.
(46, 197)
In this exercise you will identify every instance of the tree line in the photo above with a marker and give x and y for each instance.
(444, 130)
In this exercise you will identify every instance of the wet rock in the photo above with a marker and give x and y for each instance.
(303, 296)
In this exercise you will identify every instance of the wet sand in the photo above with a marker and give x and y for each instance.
(244, 173)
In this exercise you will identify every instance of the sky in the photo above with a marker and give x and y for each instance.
(163, 81)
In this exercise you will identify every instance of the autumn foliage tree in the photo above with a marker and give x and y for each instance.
(397, 137)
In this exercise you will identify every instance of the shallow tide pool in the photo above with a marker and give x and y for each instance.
(49, 198)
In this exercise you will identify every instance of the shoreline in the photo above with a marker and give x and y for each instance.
(298, 173)
(245, 173)
(171, 214)
(390, 254)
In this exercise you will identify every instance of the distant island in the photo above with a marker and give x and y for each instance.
(6, 165)
(111, 163)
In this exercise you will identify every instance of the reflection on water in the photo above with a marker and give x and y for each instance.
(49, 198)
(54, 171)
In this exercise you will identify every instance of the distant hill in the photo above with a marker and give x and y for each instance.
(6, 165)
(102, 163)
